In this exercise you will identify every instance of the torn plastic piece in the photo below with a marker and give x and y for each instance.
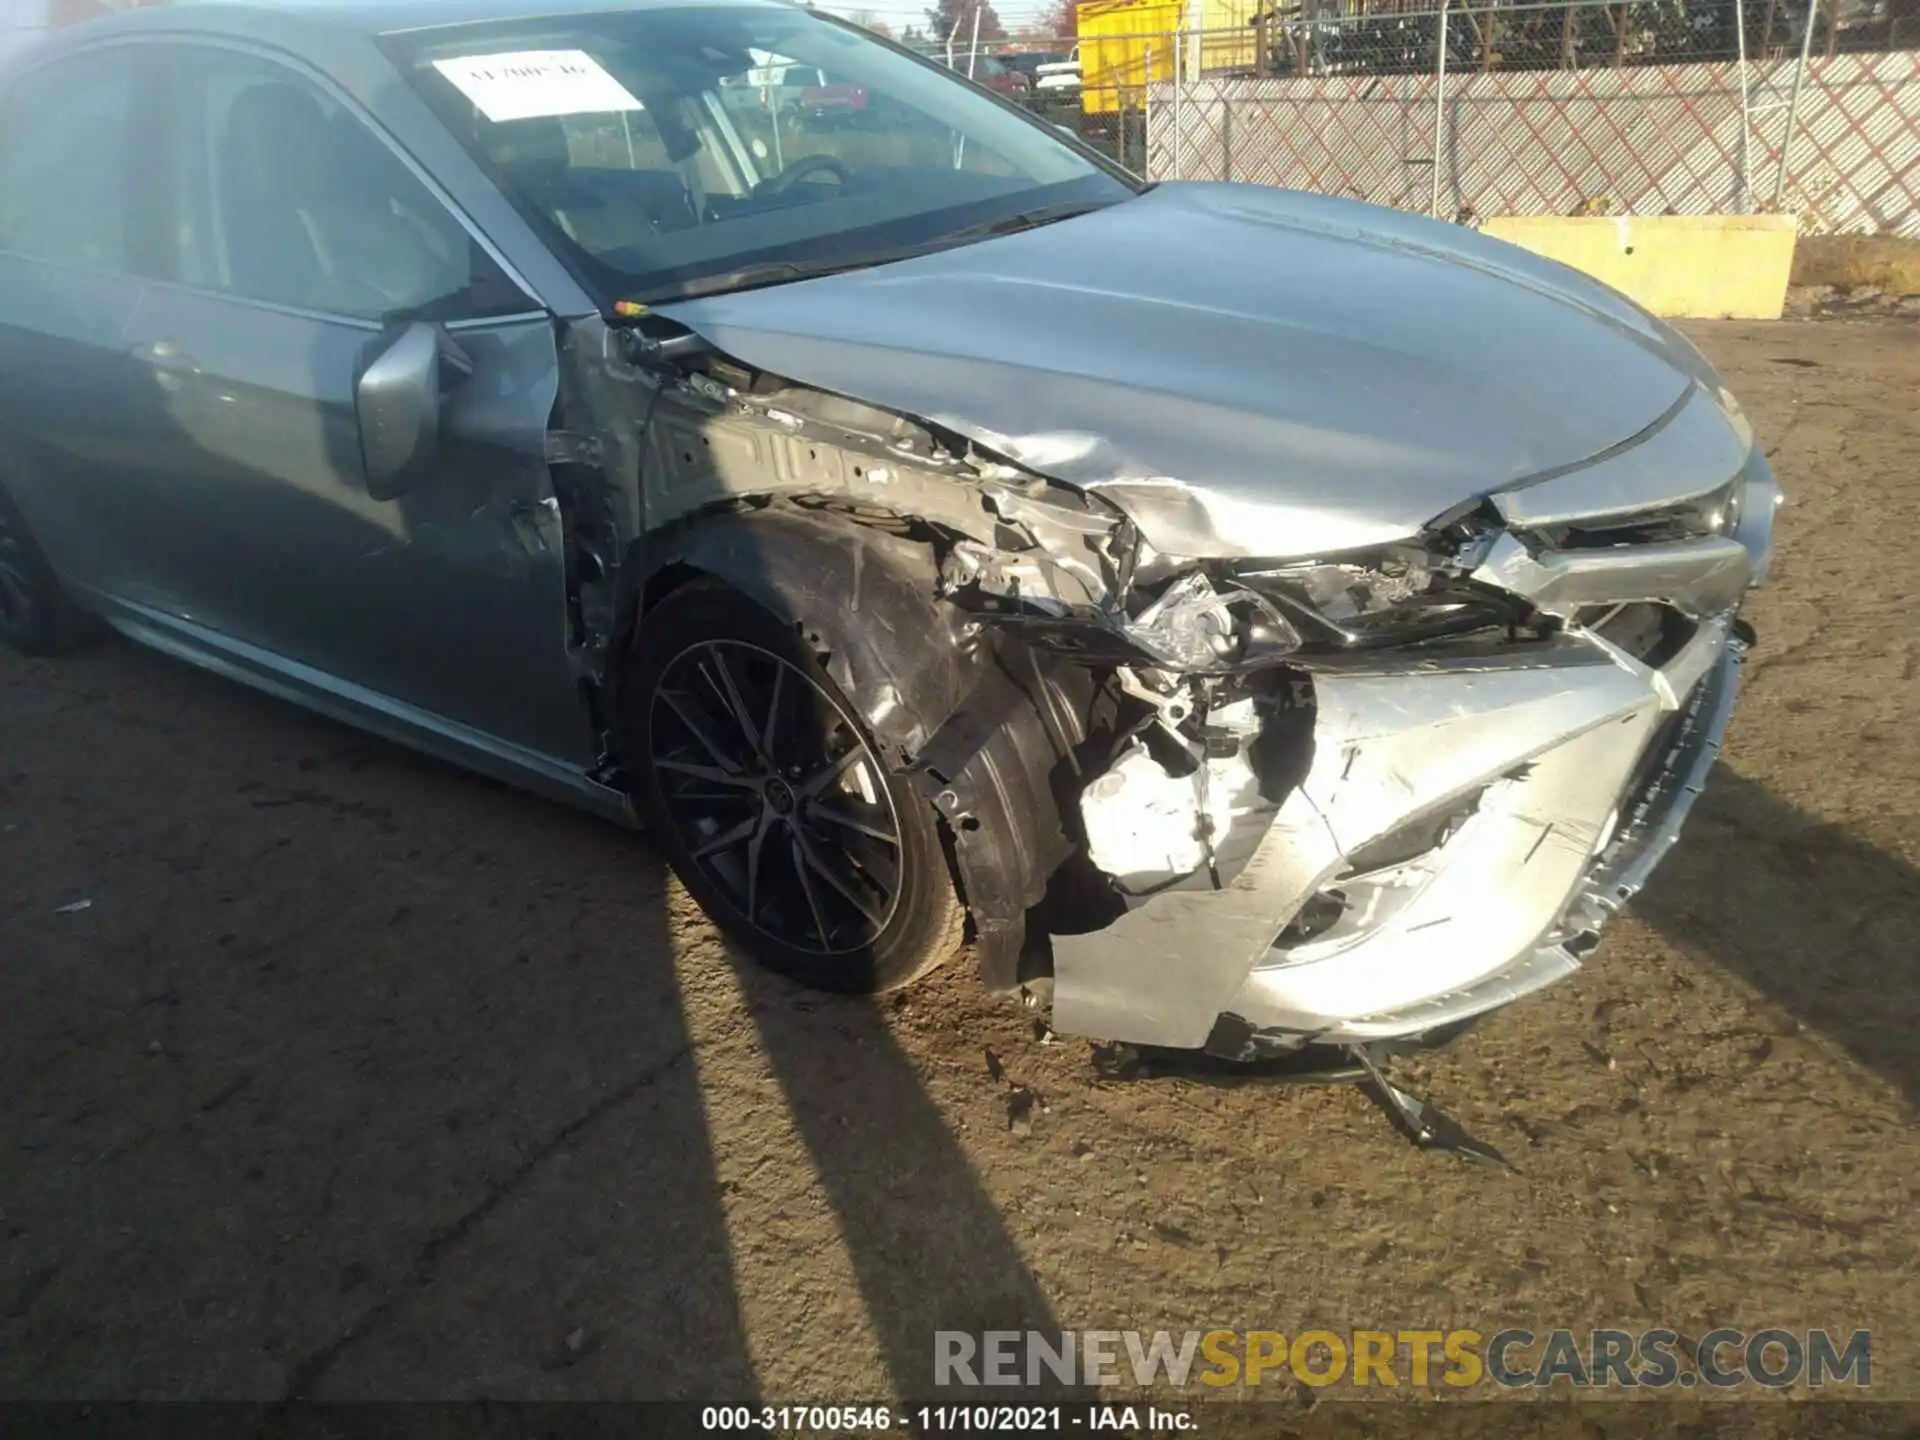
(1150, 829)
(1421, 1123)
(1147, 828)
(1195, 627)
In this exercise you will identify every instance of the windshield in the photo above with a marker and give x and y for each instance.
(657, 149)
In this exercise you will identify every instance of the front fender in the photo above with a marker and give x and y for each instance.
(976, 722)
(862, 600)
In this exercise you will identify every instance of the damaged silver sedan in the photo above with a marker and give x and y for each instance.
(1240, 621)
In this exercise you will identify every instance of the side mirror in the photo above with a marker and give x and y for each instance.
(398, 401)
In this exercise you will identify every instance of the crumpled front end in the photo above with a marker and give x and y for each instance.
(1472, 754)
(1207, 783)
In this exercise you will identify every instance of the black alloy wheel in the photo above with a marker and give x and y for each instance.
(776, 807)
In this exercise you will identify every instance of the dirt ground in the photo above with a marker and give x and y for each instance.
(360, 1077)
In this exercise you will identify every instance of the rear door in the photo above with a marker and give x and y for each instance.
(300, 243)
(71, 262)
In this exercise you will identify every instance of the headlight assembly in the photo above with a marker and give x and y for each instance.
(1394, 596)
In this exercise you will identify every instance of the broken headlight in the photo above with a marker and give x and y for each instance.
(1715, 513)
(1394, 596)
(1194, 625)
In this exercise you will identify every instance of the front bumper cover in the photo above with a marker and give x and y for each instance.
(1469, 823)
(1508, 892)
(1554, 837)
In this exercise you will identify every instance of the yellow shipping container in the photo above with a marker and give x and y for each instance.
(1226, 35)
(1126, 44)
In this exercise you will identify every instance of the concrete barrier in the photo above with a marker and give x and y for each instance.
(1705, 266)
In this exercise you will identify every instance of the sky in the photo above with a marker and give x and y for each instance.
(899, 14)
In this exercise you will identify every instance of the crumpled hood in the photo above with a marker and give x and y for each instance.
(1247, 371)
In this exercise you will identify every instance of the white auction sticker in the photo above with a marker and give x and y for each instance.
(524, 84)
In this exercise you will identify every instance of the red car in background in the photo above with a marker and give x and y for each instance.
(811, 95)
(985, 69)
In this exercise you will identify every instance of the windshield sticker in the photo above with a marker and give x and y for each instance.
(526, 84)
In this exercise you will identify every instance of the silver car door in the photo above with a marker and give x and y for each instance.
(306, 250)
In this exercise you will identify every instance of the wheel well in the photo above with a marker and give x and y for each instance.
(934, 700)
(612, 689)
(664, 582)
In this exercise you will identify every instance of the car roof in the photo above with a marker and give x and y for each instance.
(268, 19)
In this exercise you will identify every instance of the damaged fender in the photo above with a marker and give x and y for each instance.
(980, 737)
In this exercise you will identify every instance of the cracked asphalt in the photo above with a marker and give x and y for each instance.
(359, 1077)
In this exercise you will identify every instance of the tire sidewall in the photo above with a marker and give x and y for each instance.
(924, 927)
(48, 624)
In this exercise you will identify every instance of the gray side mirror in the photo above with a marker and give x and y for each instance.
(398, 400)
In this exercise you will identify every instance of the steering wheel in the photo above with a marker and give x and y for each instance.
(806, 165)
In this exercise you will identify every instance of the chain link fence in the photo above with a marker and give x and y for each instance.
(1480, 109)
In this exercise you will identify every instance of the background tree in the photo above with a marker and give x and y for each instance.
(942, 18)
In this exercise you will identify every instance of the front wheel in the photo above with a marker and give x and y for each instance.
(775, 808)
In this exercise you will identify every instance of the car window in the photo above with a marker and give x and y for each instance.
(603, 180)
(283, 195)
(762, 136)
(830, 113)
(63, 135)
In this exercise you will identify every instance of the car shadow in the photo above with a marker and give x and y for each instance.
(929, 1245)
(429, 1109)
(1820, 921)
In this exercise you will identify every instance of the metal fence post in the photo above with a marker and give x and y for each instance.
(1440, 107)
(1146, 119)
(1793, 105)
(1745, 190)
(1226, 136)
(1179, 114)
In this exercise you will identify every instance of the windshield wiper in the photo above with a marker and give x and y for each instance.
(1025, 220)
(782, 272)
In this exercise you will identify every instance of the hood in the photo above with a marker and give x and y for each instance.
(1245, 371)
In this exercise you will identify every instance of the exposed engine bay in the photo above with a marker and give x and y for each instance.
(1240, 805)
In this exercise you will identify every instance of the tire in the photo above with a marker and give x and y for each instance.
(36, 617)
(793, 835)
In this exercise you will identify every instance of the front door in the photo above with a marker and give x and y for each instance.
(301, 245)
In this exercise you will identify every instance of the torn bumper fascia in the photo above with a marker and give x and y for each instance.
(1556, 841)
(1569, 768)
(1519, 893)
